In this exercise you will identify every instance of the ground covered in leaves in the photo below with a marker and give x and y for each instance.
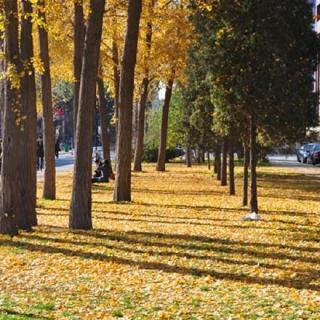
(179, 251)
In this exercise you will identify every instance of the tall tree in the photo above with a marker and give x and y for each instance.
(188, 155)
(28, 106)
(49, 187)
(217, 161)
(253, 165)
(104, 119)
(2, 81)
(143, 98)
(80, 208)
(245, 175)
(273, 93)
(10, 199)
(79, 30)
(224, 162)
(232, 189)
(161, 163)
(122, 189)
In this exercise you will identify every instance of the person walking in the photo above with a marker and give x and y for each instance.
(57, 149)
(40, 154)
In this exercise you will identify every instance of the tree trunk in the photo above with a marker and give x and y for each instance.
(104, 120)
(2, 85)
(224, 163)
(203, 156)
(135, 124)
(116, 78)
(141, 123)
(143, 101)
(253, 165)
(198, 155)
(161, 164)
(28, 174)
(49, 188)
(80, 208)
(232, 189)
(217, 162)
(9, 198)
(79, 37)
(188, 156)
(122, 189)
(208, 158)
(116, 81)
(245, 175)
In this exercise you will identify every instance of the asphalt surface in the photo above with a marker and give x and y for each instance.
(65, 163)
(291, 162)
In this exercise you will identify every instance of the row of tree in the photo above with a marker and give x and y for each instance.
(95, 30)
(243, 82)
(248, 82)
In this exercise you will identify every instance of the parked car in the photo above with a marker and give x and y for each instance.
(315, 154)
(304, 151)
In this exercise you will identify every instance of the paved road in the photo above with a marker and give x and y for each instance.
(291, 162)
(65, 162)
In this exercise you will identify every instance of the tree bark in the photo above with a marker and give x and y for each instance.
(188, 156)
(10, 199)
(208, 159)
(80, 208)
(232, 189)
(122, 189)
(28, 174)
(79, 38)
(143, 101)
(245, 175)
(253, 165)
(203, 155)
(2, 85)
(49, 188)
(141, 124)
(224, 163)
(104, 120)
(161, 164)
(217, 162)
(198, 155)
(116, 81)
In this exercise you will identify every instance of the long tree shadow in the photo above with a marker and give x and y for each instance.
(195, 207)
(306, 272)
(184, 207)
(158, 266)
(179, 192)
(206, 243)
(203, 220)
(10, 313)
(297, 198)
(191, 223)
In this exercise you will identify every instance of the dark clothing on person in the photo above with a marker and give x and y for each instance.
(57, 149)
(103, 172)
(40, 155)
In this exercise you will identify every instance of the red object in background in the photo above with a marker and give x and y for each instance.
(59, 111)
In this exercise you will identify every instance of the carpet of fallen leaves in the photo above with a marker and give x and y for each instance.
(179, 251)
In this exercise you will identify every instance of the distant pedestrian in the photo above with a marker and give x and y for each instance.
(40, 154)
(57, 149)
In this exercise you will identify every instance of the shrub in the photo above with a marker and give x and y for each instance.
(150, 154)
